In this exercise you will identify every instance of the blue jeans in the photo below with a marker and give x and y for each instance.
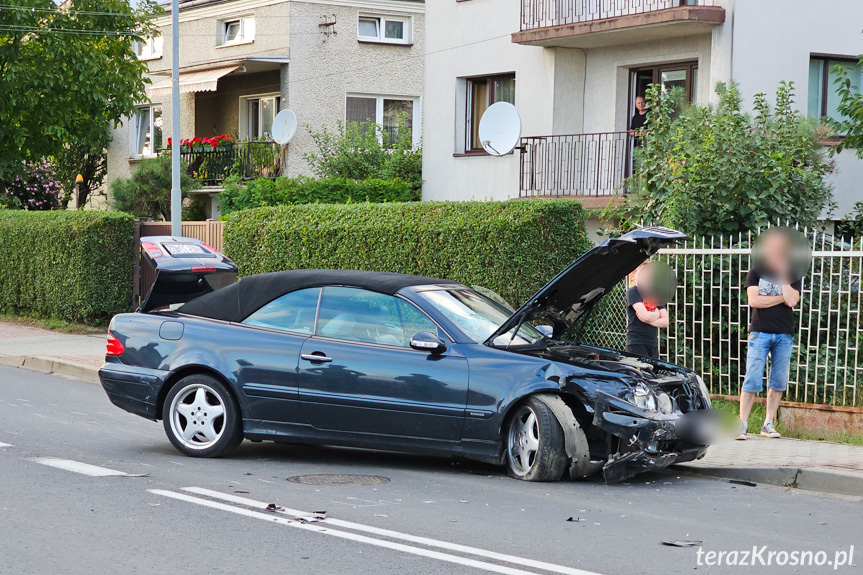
(778, 345)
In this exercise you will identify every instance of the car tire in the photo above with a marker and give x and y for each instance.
(201, 417)
(534, 443)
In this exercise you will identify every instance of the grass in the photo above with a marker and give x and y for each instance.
(53, 324)
(756, 420)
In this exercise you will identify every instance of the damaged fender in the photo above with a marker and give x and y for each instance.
(577, 448)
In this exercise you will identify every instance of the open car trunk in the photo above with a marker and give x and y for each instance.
(185, 268)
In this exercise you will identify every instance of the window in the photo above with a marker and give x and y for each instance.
(390, 112)
(370, 317)
(482, 93)
(146, 131)
(149, 48)
(257, 114)
(294, 312)
(823, 99)
(387, 29)
(237, 31)
(683, 76)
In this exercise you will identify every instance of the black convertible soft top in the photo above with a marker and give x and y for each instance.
(237, 301)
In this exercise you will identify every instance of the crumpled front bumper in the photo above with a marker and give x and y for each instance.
(651, 440)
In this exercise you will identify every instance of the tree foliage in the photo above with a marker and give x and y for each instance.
(66, 74)
(716, 170)
(850, 108)
(365, 150)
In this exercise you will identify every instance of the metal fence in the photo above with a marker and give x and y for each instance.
(575, 164)
(544, 13)
(709, 318)
(246, 160)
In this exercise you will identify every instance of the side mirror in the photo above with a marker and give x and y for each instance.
(428, 342)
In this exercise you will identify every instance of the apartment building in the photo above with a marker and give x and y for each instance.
(573, 68)
(242, 61)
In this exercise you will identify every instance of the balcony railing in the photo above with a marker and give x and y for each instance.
(547, 13)
(575, 165)
(247, 160)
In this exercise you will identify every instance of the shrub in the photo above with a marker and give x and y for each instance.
(147, 194)
(70, 265)
(284, 191)
(512, 247)
(36, 189)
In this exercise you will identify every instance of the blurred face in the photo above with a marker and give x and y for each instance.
(640, 104)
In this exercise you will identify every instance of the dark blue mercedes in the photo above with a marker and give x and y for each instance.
(402, 363)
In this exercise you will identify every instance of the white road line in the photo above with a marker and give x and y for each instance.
(77, 467)
(524, 562)
(6, 444)
(318, 528)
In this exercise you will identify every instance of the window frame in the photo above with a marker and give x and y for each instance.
(134, 133)
(826, 85)
(243, 116)
(245, 34)
(416, 120)
(152, 45)
(381, 38)
(469, 148)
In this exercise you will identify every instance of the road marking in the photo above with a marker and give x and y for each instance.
(515, 560)
(317, 528)
(77, 467)
(6, 444)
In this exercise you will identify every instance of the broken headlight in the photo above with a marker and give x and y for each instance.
(704, 391)
(644, 397)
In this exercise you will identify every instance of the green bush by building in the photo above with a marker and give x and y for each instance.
(512, 247)
(70, 265)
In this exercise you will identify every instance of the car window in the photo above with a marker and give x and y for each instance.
(361, 315)
(294, 312)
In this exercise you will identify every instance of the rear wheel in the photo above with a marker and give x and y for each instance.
(201, 417)
(535, 449)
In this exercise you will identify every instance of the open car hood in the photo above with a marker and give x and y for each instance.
(184, 268)
(579, 287)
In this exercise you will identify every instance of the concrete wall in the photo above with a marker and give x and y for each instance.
(324, 70)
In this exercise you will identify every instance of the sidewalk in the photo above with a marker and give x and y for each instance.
(813, 465)
(52, 352)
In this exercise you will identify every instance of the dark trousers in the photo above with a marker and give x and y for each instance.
(650, 351)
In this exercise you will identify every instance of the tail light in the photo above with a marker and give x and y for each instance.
(152, 250)
(115, 347)
(203, 268)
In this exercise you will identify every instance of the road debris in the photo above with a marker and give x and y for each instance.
(575, 519)
(274, 507)
(681, 543)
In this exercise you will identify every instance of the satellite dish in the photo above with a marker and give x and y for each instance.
(500, 129)
(284, 127)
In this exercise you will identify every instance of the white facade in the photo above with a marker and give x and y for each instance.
(581, 82)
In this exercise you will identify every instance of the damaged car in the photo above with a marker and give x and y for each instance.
(401, 363)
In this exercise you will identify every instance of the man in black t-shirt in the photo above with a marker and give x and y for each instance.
(644, 317)
(773, 293)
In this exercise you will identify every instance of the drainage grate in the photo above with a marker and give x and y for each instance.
(339, 479)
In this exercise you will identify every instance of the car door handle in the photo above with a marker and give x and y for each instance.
(316, 358)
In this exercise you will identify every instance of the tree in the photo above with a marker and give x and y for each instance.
(66, 74)
(147, 194)
(715, 170)
(850, 109)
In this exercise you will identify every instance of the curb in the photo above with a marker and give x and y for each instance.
(49, 365)
(822, 479)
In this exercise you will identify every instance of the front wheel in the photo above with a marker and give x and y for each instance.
(535, 449)
(201, 417)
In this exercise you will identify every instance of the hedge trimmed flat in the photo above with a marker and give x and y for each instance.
(403, 363)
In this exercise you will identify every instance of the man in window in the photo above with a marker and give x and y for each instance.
(639, 119)
(773, 288)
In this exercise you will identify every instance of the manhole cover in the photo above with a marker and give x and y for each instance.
(339, 479)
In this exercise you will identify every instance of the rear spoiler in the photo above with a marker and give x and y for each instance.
(184, 268)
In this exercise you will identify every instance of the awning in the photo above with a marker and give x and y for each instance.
(202, 81)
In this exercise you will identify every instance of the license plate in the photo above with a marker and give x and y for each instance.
(184, 249)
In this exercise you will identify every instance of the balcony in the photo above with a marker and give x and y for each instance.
(598, 23)
(589, 166)
(247, 160)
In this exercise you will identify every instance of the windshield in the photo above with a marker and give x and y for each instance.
(478, 316)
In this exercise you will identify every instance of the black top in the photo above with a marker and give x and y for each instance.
(638, 332)
(776, 319)
(638, 121)
(237, 301)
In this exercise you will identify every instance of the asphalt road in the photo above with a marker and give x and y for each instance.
(433, 515)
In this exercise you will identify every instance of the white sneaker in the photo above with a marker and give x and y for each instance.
(769, 431)
(741, 437)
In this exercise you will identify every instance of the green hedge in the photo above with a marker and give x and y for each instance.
(286, 191)
(511, 247)
(69, 265)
